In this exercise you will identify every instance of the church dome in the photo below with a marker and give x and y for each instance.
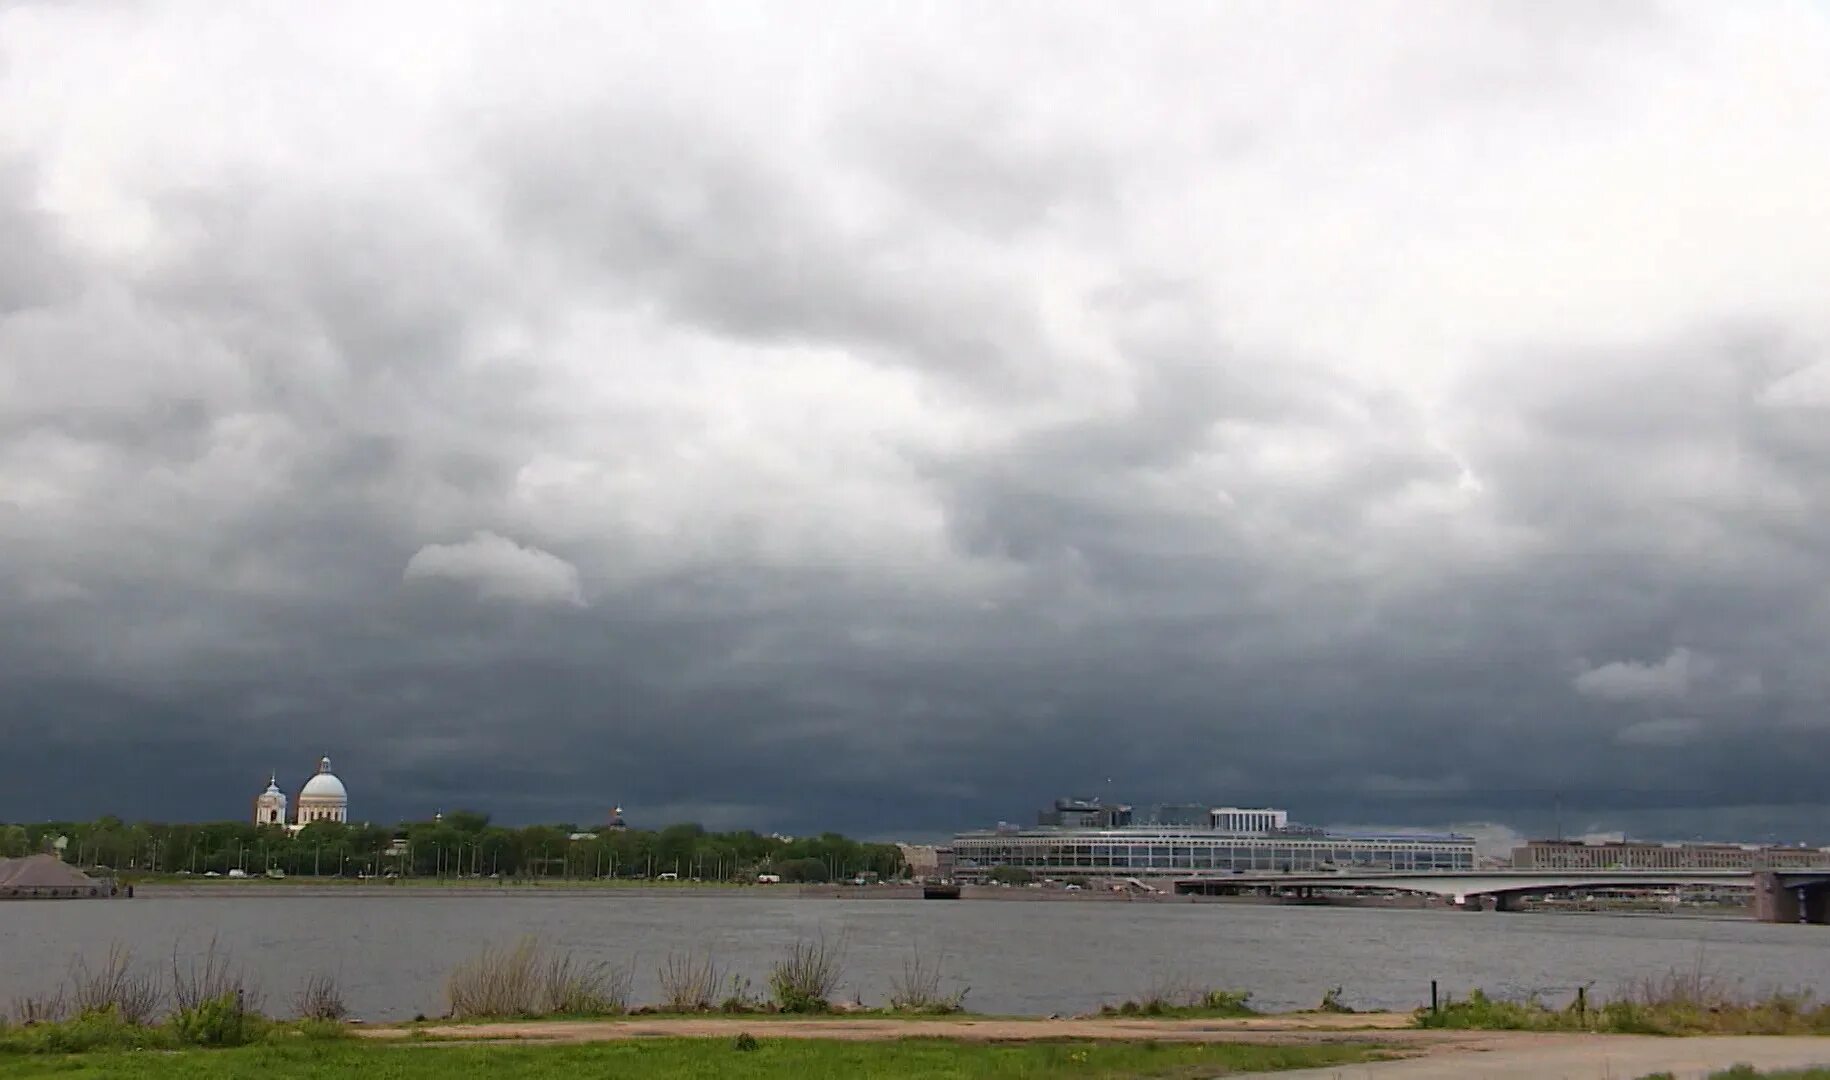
(325, 785)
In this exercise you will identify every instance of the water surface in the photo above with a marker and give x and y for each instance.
(392, 953)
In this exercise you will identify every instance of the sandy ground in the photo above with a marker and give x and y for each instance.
(1383, 1026)
(1428, 1055)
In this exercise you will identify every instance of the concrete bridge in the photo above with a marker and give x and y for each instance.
(1787, 896)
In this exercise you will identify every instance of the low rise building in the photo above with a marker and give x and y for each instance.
(1088, 838)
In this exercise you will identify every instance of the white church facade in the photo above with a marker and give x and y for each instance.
(323, 798)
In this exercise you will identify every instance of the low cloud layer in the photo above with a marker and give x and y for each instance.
(889, 423)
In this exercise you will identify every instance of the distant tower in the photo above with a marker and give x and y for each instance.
(270, 805)
(616, 819)
(323, 798)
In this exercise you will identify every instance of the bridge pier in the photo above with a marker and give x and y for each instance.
(1475, 902)
(1779, 900)
(1773, 901)
(1508, 902)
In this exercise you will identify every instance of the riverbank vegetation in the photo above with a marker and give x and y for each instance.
(1177, 1000)
(527, 981)
(1677, 1003)
(122, 1004)
(461, 845)
(757, 1058)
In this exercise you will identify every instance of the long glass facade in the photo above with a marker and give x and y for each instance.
(1198, 853)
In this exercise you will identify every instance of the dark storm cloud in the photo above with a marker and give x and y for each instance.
(888, 427)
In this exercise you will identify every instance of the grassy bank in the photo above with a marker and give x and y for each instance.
(660, 1059)
(1679, 1003)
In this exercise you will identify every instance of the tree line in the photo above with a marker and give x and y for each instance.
(461, 844)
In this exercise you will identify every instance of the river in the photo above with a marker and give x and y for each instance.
(391, 953)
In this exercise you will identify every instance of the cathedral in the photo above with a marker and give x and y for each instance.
(323, 798)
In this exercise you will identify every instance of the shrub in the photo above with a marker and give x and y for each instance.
(1332, 1003)
(217, 1021)
(688, 983)
(201, 980)
(584, 988)
(918, 989)
(1482, 1012)
(523, 980)
(807, 979)
(133, 997)
(746, 1042)
(497, 982)
(321, 999)
(740, 998)
(103, 1030)
(42, 1008)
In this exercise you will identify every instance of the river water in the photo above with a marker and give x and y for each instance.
(391, 953)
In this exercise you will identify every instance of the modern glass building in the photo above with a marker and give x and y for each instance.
(1183, 852)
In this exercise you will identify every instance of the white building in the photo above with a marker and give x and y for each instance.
(270, 806)
(1234, 819)
(323, 798)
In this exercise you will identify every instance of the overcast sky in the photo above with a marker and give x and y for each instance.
(887, 417)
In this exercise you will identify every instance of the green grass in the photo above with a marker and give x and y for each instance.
(1644, 1013)
(676, 1059)
(1186, 1005)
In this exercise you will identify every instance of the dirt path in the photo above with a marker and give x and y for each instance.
(1382, 1026)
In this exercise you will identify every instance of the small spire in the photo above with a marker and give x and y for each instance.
(324, 764)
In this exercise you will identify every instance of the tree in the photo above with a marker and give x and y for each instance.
(467, 821)
(804, 870)
(13, 842)
(1011, 875)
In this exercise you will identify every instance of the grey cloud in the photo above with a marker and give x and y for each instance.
(1665, 731)
(1217, 434)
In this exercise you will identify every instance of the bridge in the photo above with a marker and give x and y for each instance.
(1788, 896)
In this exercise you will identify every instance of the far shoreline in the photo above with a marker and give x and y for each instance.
(604, 889)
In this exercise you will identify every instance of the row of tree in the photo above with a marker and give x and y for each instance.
(462, 844)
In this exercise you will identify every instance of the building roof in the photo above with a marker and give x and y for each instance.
(41, 872)
(325, 785)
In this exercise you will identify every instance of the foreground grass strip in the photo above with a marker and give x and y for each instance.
(666, 1059)
(1641, 1014)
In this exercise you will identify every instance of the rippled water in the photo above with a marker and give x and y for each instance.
(392, 953)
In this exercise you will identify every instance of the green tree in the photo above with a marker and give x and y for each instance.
(1011, 875)
(803, 870)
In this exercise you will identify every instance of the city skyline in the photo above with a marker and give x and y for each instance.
(1413, 417)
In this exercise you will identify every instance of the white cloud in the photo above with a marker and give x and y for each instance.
(1632, 680)
(500, 569)
(1665, 731)
(1808, 387)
